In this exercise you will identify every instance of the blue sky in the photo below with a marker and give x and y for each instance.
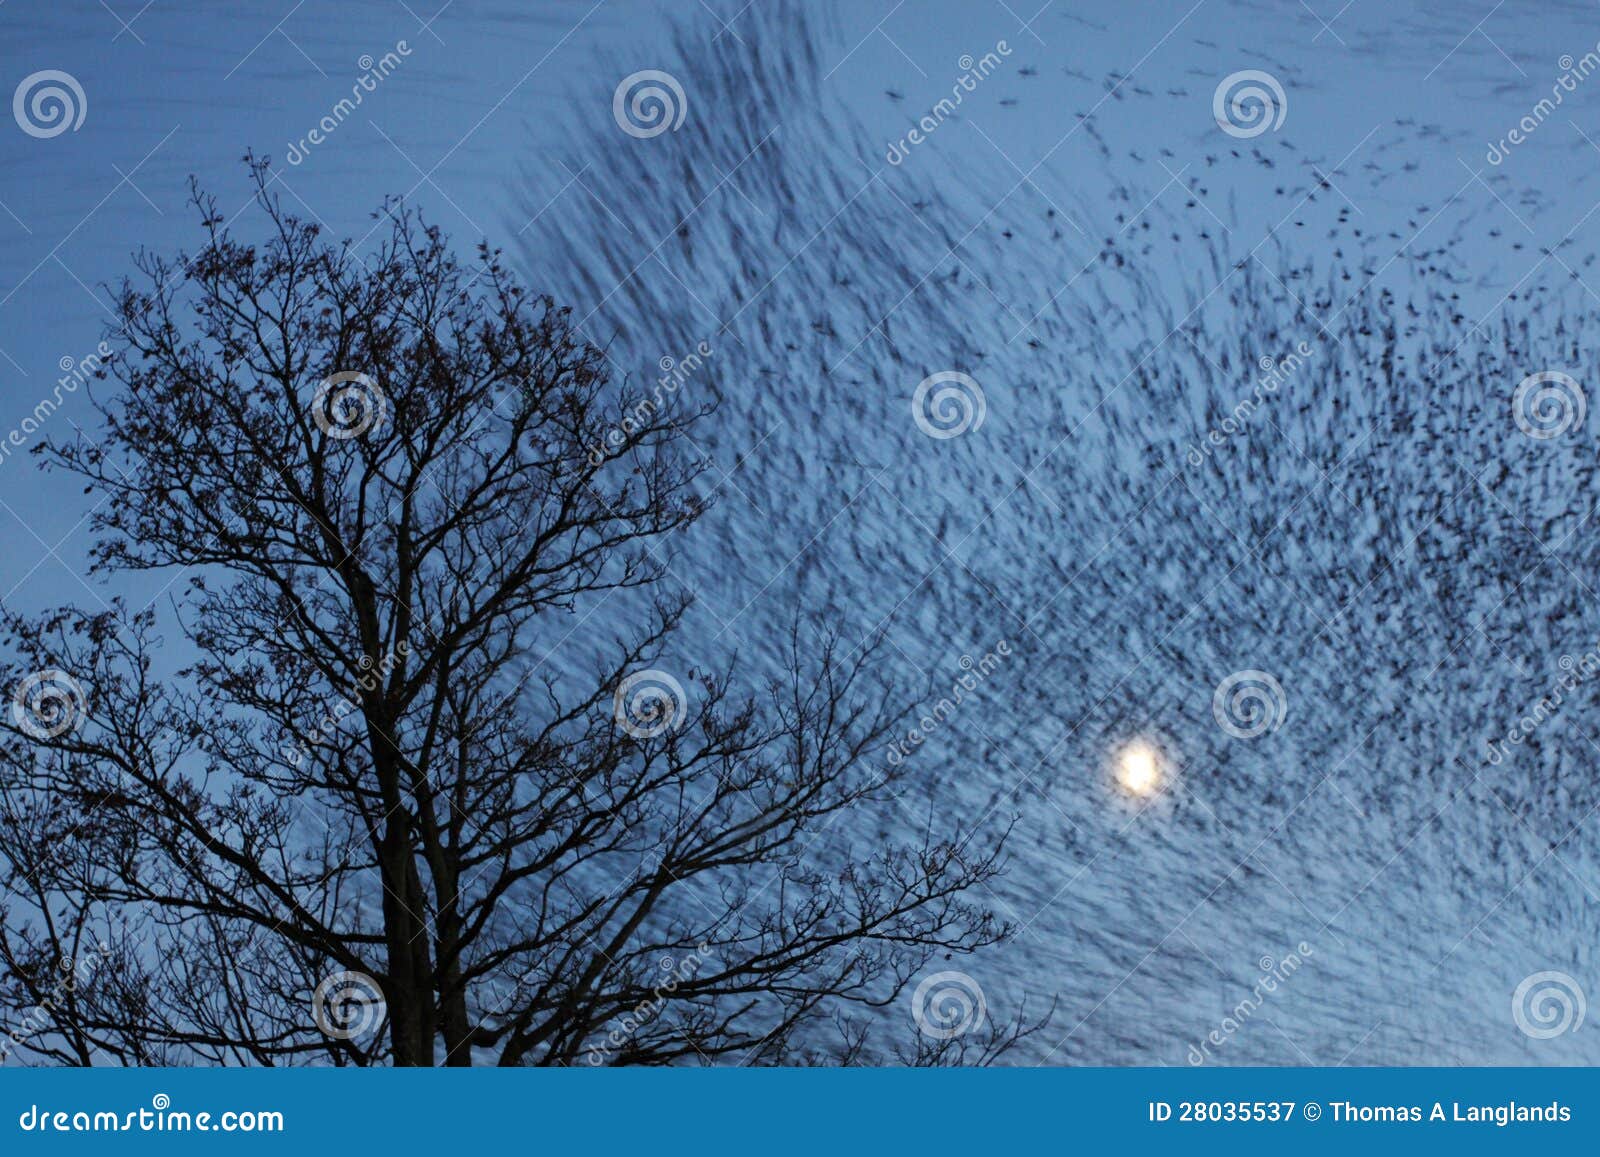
(497, 118)
(492, 90)
(174, 90)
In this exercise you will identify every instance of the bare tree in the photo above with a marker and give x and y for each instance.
(371, 809)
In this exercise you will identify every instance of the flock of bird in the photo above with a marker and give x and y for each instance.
(1143, 510)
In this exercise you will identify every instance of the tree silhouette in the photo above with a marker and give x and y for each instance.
(396, 797)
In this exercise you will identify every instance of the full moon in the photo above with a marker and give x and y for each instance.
(1139, 768)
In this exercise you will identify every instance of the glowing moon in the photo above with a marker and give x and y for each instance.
(1139, 768)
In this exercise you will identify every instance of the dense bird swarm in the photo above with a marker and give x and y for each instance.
(1375, 530)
